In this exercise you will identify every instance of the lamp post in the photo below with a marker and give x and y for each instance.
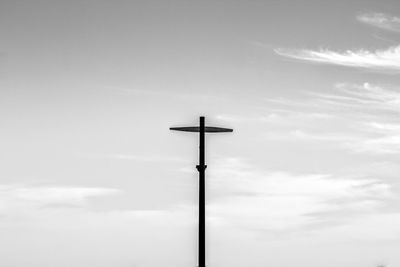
(202, 129)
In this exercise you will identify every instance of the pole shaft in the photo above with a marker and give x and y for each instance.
(202, 222)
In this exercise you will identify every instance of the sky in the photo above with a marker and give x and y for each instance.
(91, 175)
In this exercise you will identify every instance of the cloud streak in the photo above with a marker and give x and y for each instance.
(20, 199)
(381, 131)
(388, 59)
(381, 20)
(141, 158)
(362, 118)
(252, 198)
(367, 97)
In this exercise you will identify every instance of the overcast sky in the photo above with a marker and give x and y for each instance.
(91, 176)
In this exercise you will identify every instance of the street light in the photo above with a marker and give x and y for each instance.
(202, 129)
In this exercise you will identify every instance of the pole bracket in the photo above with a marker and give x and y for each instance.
(201, 167)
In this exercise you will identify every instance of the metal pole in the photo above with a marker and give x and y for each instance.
(202, 223)
(202, 129)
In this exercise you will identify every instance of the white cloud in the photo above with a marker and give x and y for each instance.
(388, 59)
(382, 134)
(245, 202)
(384, 127)
(388, 144)
(363, 118)
(371, 94)
(275, 116)
(381, 20)
(58, 194)
(143, 158)
(384, 143)
(302, 135)
(274, 201)
(367, 98)
(83, 237)
(19, 199)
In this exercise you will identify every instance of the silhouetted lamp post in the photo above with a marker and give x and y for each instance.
(202, 129)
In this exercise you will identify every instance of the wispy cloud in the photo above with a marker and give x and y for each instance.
(264, 200)
(275, 116)
(387, 144)
(386, 98)
(247, 202)
(378, 110)
(143, 158)
(20, 199)
(357, 117)
(367, 97)
(388, 59)
(335, 137)
(381, 20)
